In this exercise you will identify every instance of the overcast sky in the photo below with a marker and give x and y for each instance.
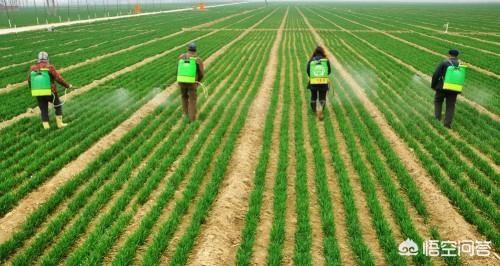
(109, 2)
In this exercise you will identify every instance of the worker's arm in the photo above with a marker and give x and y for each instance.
(438, 75)
(29, 79)
(200, 69)
(57, 77)
(329, 67)
(308, 69)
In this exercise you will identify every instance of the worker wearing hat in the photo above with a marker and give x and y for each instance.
(443, 94)
(51, 95)
(190, 72)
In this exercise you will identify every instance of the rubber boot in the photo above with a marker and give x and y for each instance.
(320, 114)
(45, 125)
(59, 122)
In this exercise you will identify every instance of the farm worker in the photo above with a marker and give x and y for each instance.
(447, 81)
(318, 70)
(42, 82)
(189, 74)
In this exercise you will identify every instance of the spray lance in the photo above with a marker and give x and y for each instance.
(63, 97)
(205, 91)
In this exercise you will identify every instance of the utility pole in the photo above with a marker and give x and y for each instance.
(6, 8)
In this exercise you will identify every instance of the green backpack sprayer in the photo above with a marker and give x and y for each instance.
(319, 72)
(40, 83)
(454, 77)
(186, 72)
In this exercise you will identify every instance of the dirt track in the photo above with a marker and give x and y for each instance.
(220, 233)
(451, 224)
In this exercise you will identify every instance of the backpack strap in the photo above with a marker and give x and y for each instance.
(451, 63)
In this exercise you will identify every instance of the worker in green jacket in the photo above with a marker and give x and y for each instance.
(190, 73)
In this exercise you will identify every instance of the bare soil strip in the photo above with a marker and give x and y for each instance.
(365, 219)
(317, 236)
(339, 212)
(450, 223)
(314, 211)
(70, 52)
(432, 37)
(146, 207)
(426, 77)
(461, 44)
(46, 26)
(11, 87)
(291, 203)
(476, 68)
(454, 33)
(14, 219)
(384, 201)
(460, 34)
(454, 134)
(225, 222)
(182, 227)
(291, 206)
(302, 30)
(422, 228)
(99, 82)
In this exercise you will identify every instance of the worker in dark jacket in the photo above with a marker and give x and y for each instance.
(190, 73)
(318, 70)
(444, 94)
(50, 95)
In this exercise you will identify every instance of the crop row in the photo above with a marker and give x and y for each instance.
(478, 188)
(480, 88)
(18, 100)
(479, 41)
(369, 137)
(455, 144)
(28, 15)
(67, 39)
(179, 146)
(468, 118)
(480, 59)
(49, 151)
(64, 55)
(469, 54)
(463, 18)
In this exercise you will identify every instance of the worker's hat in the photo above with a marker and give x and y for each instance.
(192, 47)
(43, 56)
(453, 52)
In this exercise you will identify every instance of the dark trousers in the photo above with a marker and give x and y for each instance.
(451, 99)
(43, 104)
(318, 92)
(189, 102)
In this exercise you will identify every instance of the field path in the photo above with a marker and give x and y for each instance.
(99, 82)
(452, 133)
(478, 69)
(12, 221)
(473, 104)
(217, 240)
(46, 26)
(12, 87)
(425, 35)
(450, 223)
